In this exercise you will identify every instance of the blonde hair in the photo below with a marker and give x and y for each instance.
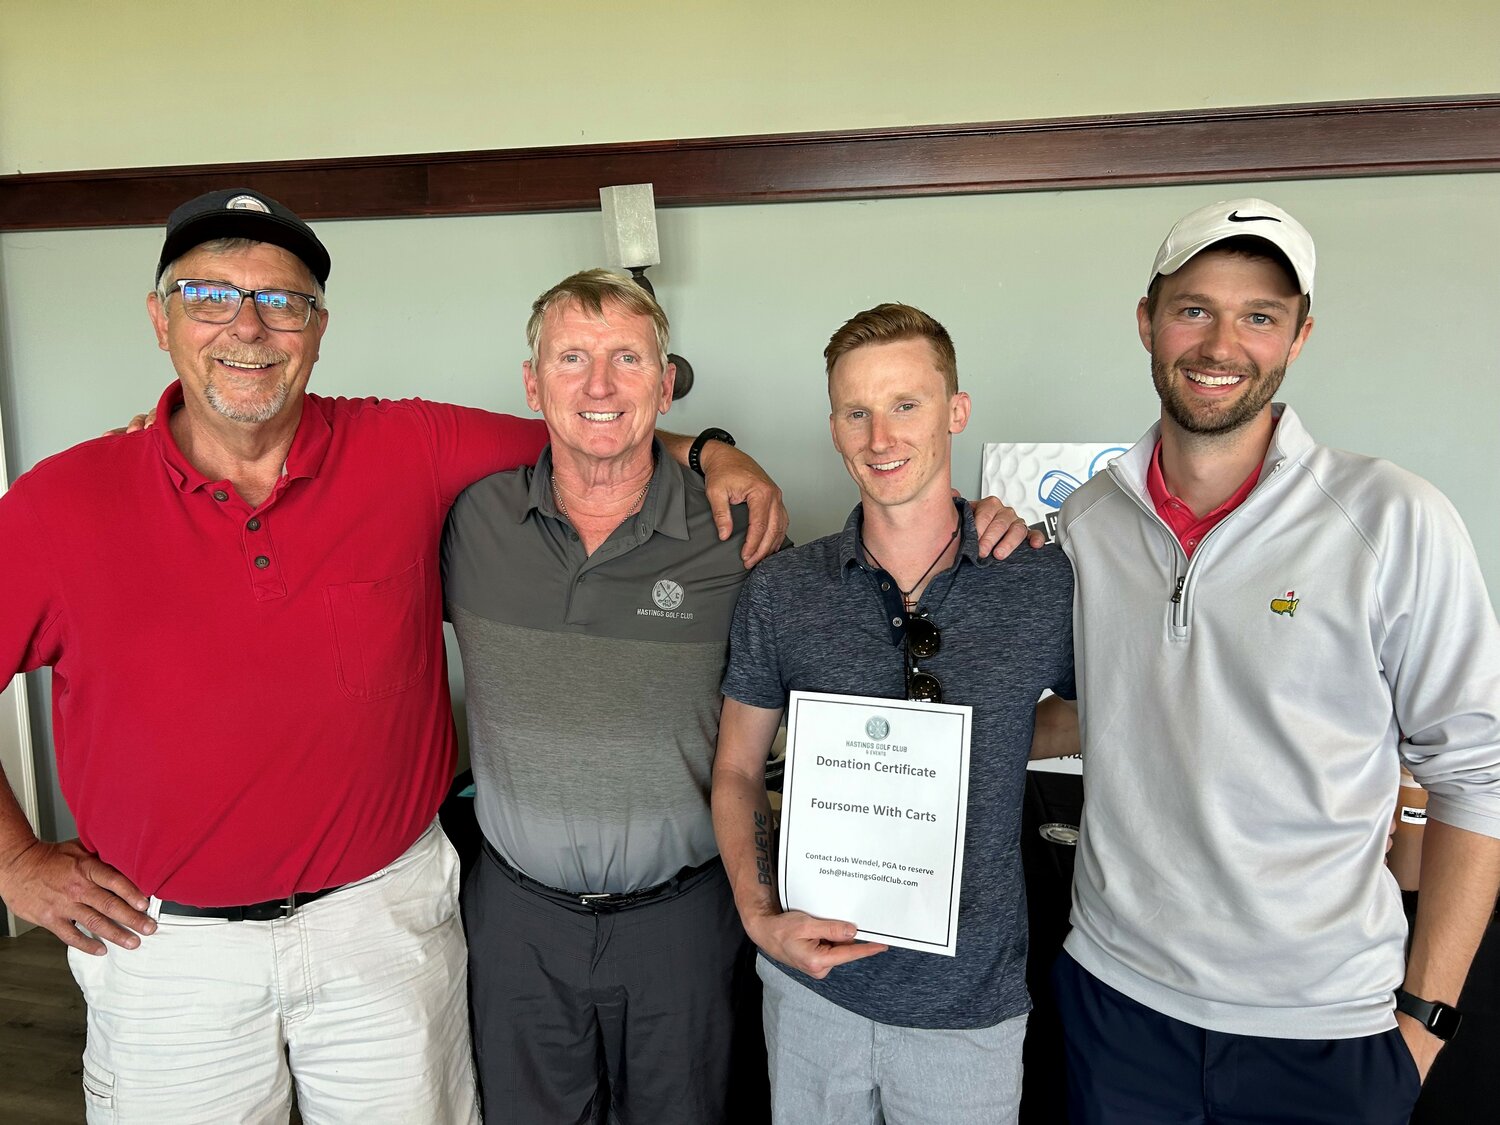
(591, 290)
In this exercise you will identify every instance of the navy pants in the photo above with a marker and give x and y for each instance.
(1130, 1065)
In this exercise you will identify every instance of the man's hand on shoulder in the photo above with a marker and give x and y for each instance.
(1001, 529)
(732, 476)
(139, 422)
(63, 886)
(814, 946)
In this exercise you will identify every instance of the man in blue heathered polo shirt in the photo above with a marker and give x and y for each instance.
(857, 1032)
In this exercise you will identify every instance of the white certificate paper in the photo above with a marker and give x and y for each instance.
(874, 802)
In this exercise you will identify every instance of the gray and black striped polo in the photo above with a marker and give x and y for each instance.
(592, 680)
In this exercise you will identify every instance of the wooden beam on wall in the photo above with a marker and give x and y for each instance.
(1314, 141)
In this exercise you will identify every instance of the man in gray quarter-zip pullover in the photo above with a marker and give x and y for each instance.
(1266, 630)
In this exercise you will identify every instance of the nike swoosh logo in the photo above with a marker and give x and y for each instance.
(1236, 217)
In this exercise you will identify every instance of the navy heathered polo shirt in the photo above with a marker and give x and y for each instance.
(815, 619)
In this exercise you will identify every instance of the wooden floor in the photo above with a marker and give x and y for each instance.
(41, 1033)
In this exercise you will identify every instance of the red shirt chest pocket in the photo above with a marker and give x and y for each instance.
(381, 634)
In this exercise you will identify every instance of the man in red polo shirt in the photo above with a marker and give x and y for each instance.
(256, 758)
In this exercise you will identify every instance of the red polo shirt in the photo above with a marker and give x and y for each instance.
(1188, 528)
(248, 703)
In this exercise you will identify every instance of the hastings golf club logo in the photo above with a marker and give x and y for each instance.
(246, 203)
(877, 727)
(666, 594)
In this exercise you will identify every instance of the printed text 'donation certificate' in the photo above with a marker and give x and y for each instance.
(872, 818)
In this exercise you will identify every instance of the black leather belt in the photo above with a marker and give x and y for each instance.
(601, 903)
(268, 911)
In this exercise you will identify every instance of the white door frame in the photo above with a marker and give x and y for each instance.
(15, 740)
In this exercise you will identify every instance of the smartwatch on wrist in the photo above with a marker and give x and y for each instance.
(695, 454)
(1439, 1018)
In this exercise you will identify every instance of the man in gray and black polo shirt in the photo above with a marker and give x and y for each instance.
(857, 1032)
(592, 598)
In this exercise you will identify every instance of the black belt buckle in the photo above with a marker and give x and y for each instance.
(597, 902)
(274, 911)
(608, 903)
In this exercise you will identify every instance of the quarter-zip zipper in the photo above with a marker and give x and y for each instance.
(1181, 593)
(1178, 598)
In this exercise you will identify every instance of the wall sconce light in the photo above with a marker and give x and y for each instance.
(630, 243)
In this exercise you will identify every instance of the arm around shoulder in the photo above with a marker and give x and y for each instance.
(730, 477)
(468, 444)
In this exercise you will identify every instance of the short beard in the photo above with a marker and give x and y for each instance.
(1211, 421)
(263, 412)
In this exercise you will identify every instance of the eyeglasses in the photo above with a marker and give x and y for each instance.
(218, 302)
(922, 642)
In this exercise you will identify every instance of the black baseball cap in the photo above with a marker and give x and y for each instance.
(241, 213)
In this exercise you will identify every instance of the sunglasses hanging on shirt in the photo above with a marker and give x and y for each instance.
(922, 642)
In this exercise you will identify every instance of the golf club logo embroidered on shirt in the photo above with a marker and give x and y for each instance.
(666, 594)
(1286, 606)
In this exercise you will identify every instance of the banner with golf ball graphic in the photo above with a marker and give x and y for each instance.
(1035, 478)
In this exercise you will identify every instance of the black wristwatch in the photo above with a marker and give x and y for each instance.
(1439, 1018)
(695, 454)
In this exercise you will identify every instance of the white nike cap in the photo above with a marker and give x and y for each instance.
(1238, 218)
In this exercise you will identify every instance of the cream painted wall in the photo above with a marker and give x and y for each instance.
(1038, 290)
(111, 83)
